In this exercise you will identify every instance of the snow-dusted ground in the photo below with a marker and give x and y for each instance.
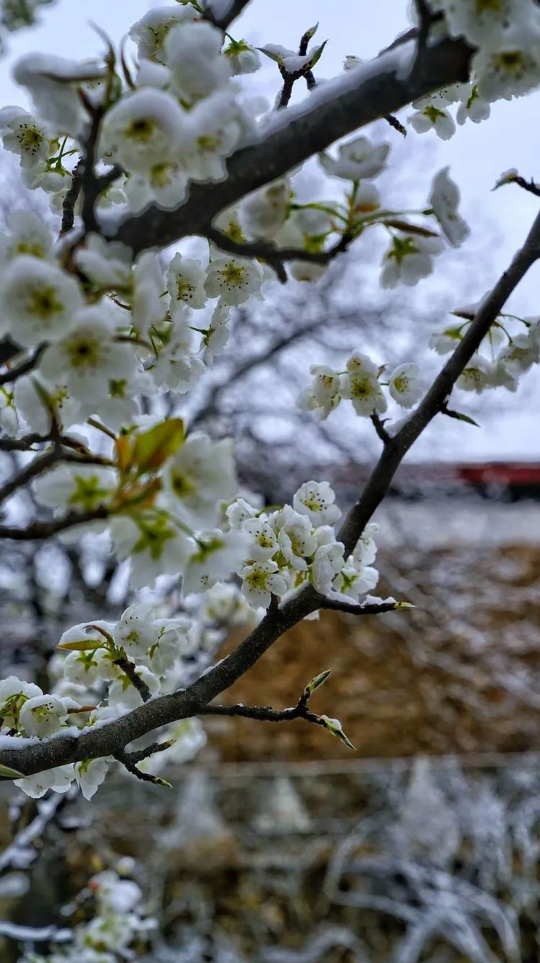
(448, 521)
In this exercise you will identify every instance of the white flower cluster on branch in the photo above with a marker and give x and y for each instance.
(93, 326)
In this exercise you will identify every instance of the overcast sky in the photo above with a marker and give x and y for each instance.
(477, 155)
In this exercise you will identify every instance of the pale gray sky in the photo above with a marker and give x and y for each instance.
(477, 155)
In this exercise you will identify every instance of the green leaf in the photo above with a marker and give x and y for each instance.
(317, 54)
(407, 228)
(82, 645)
(6, 772)
(316, 683)
(310, 33)
(459, 416)
(272, 54)
(334, 726)
(151, 448)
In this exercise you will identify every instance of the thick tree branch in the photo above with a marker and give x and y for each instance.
(342, 106)
(224, 19)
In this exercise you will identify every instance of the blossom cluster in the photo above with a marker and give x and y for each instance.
(98, 330)
(509, 350)
(118, 922)
(362, 384)
(505, 35)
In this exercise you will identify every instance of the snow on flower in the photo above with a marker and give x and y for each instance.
(53, 84)
(193, 54)
(42, 715)
(151, 31)
(142, 130)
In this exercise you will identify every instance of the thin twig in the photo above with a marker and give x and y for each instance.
(379, 428)
(129, 669)
(71, 198)
(8, 376)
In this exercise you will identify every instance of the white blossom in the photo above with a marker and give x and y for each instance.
(233, 279)
(142, 130)
(28, 234)
(260, 581)
(84, 487)
(262, 539)
(297, 541)
(193, 54)
(58, 779)
(361, 385)
(316, 500)
(242, 58)
(24, 135)
(164, 184)
(215, 127)
(444, 200)
(89, 357)
(38, 300)
(476, 375)
(185, 284)
(106, 264)
(42, 715)
(323, 394)
(357, 159)
(153, 543)
(217, 555)
(404, 385)
(328, 561)
(124, 694)
(512, 66)
(198, 476)
(90, 774)
(433, 118)
(264, 212)
(151, 31)
(53, 84)
(409, 259)
(176, 366)
(216, 336)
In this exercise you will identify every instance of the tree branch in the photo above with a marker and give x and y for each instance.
(339, 107)
(274, 256)
(224, 20)
(40, 530)
(29, 757)
(7, 376)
